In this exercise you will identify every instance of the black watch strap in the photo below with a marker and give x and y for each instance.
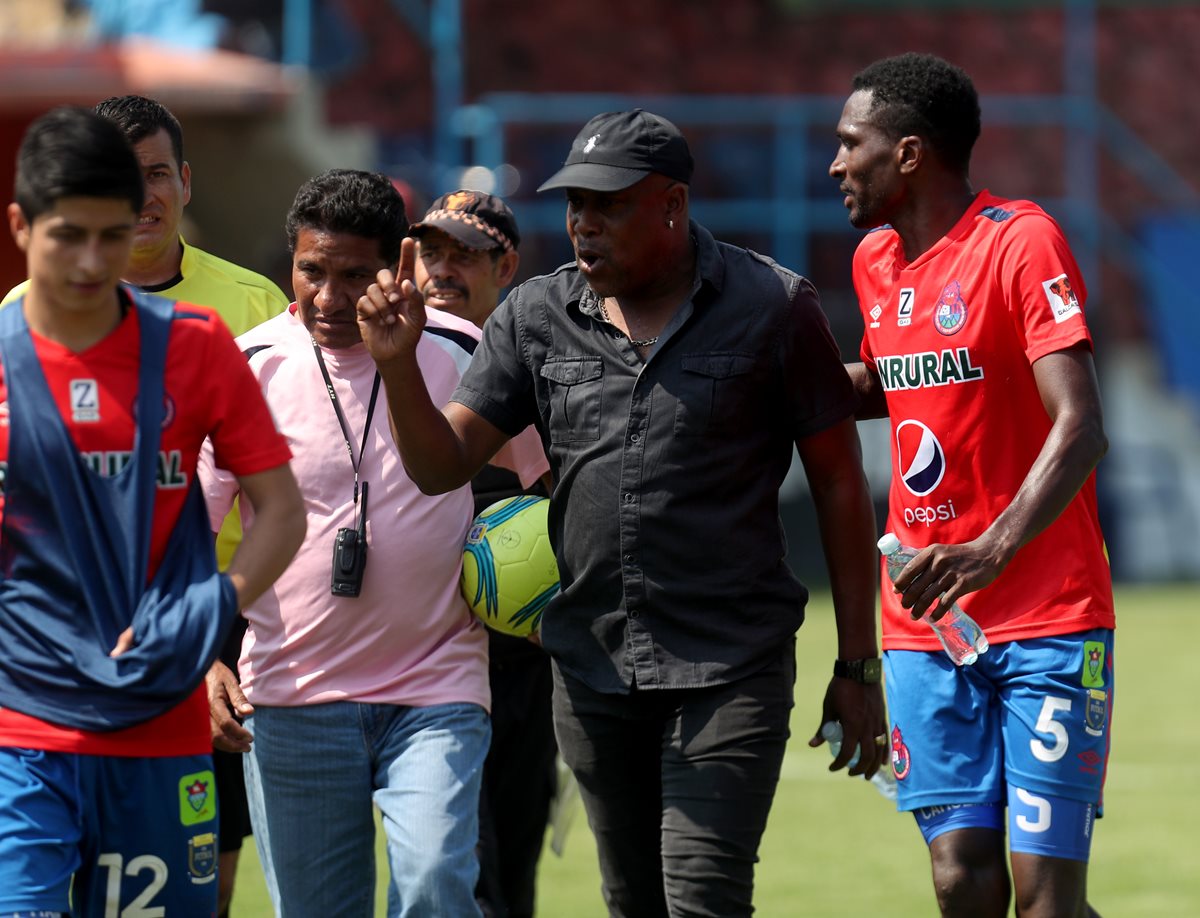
(868, 671)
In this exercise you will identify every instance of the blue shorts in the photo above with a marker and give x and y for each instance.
(1027, 724)
(1043, 825)
(142, 828)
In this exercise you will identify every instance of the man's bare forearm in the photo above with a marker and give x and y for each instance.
(846, 519)
(442, 450)
(871, 400)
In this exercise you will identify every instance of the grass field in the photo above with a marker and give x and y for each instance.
(834, 847)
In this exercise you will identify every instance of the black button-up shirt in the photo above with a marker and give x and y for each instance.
(665, 512)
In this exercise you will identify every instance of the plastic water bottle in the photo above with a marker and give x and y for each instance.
(963, 639)
(883, 779)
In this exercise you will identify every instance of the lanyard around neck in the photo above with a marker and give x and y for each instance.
(337, 408)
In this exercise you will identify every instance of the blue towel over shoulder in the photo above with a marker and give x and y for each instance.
(74, 551)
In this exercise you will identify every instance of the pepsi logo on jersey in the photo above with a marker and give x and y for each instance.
(930, 515)
(920, 457)
(922, 465)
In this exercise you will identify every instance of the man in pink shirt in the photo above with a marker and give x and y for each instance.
(365, 675)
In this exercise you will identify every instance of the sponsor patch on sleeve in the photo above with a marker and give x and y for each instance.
(1062, 299)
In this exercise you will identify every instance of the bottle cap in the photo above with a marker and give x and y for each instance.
(889, 543)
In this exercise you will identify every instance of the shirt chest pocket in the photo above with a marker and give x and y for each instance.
(574, 386)
(714, 392)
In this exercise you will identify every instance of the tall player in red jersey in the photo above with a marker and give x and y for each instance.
(111, 606)
(976, 347)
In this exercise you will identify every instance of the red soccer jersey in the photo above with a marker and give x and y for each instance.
(209, 391)
(953, 337)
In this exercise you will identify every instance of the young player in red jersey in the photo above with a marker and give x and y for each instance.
(111, 608)
(976, 348)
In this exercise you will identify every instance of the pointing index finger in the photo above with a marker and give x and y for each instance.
(408, 260)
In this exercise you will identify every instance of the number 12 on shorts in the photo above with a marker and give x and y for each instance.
(141, 906)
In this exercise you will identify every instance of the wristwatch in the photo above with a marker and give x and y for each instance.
(868, 671)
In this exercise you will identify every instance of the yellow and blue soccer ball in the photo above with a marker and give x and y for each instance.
(509, 574)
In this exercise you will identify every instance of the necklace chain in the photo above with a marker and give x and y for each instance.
(636, 342)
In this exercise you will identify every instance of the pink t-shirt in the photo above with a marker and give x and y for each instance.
(409, 637)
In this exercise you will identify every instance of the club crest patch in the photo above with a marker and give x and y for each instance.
(1093, 664)
(901, 762)
(168, 410)
(1062, 299)
(197, 800)
(1096, 712)
(202, 858)
(950, 314)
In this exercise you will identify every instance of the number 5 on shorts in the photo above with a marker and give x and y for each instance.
(1046, 723)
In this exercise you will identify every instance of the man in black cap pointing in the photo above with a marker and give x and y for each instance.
(670, 375)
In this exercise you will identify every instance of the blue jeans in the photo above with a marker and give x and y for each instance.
(311, 777)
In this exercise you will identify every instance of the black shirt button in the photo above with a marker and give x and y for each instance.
(628, 498)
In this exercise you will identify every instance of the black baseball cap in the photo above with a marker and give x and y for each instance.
(477, 220)
(617, 149)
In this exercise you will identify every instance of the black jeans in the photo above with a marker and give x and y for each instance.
(677, 784)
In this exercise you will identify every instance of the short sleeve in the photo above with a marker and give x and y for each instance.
(243, 436)
(1043, 286)
(819, 390)
(498, 385)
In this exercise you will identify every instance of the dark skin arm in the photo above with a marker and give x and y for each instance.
(871, 400)
(1066, 382)
(846, 517)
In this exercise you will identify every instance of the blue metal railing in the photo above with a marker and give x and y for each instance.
(786, 210)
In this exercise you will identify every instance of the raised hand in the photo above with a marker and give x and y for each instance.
(391, 314)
